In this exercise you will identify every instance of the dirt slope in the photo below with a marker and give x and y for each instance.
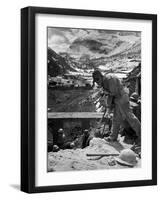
(68, 160)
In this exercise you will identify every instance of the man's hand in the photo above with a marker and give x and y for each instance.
(103, 101)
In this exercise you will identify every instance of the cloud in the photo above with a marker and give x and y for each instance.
(57, 39)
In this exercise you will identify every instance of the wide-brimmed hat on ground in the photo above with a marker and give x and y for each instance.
(127, 157)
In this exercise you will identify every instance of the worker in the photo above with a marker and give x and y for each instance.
(119, 100)
(86, 138)
(135, 103)
(62, 142)
(60, 138)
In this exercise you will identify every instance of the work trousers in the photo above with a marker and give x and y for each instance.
(122, 112)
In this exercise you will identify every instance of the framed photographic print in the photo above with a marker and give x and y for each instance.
(88, 99)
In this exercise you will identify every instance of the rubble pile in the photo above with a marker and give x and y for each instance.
(77, 159)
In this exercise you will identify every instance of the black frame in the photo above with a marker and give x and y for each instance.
(28, 98)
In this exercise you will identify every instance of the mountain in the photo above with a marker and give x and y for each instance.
(74, 64)
(127, 48)
(57, 65)
(92, 47)
(73, 50)
(105, 45)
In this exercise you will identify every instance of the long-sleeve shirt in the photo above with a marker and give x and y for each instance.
(113, 85)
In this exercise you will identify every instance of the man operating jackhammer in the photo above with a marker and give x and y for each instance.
(118, 96)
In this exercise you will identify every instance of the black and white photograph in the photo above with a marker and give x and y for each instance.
(93, 99)
(89, 99)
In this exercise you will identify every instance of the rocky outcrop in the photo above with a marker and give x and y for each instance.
(57, 65)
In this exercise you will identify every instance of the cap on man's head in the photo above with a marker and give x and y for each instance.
(86, 131)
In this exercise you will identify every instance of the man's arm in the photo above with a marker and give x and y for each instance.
(107, 101)
(112, 85)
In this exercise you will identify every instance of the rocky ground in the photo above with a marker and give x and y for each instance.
(77, 159)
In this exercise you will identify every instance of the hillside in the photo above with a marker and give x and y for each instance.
(76, 49)
(57, 65)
